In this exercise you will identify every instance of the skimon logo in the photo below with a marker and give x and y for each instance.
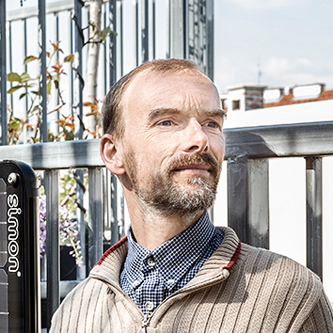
(13, 233)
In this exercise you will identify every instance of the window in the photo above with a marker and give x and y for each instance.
(236, 105)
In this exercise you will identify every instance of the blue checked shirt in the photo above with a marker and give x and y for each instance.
(148, 277)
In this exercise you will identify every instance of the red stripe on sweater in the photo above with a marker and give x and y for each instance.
(123, 240)
(234, 256)
(112, 249)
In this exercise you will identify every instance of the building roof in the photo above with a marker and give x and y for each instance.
(289, 99)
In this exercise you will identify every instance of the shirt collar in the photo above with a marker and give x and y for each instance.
(174, 257)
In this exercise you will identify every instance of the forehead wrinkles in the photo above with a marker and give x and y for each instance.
(167, 89)
(191, 100)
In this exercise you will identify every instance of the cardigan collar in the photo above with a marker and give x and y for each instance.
(217, 267)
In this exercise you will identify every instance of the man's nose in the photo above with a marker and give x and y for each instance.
(194, 138)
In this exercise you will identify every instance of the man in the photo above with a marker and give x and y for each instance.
(176, 272)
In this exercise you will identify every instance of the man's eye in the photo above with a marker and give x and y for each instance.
(212, 124)
(165, 123)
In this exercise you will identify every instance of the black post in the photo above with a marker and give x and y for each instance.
(19, 249)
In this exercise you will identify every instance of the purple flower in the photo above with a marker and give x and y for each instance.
(68, 231)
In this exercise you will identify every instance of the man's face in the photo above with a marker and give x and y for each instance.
(173, 144)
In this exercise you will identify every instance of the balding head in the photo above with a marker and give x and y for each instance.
(112, 110)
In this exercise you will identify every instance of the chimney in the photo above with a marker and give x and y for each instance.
(245, 98)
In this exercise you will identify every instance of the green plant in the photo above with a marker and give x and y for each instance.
(30, 87)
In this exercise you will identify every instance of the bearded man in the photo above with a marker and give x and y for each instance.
(176, 272)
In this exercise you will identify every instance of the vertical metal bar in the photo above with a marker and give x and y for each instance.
(95, 249)
(52, 243)
(237, 173)
(258, 201)
(193, 31)
(71, 36)
(25, 54)
(106, 202)
(113, 41)
(113, 78)
(78, 81)
(202, 31)
(42, 71)
(186, 28)
(177, 29)
(137, 32)
(3, 74)
(106, 52)
(121, 24)
(144, 31)
(122, 216)
(9, 56)
(81, 272)
(248, 205)
(57, 39)
(154, 29)
(114, 210)
(199, 40)
(113, 201)
(314, 215)
(78, 112)
(210, 49)
(192, 26)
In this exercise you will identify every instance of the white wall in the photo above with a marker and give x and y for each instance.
(289, 114)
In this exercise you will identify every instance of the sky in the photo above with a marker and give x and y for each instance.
(289, 41)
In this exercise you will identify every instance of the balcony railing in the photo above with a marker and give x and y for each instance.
(247, 154)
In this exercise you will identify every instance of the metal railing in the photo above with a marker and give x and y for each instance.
(248, 151)
(247, 154)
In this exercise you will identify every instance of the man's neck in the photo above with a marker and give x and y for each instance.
(151, 228)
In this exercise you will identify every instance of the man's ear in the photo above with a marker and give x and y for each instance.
(111, 155)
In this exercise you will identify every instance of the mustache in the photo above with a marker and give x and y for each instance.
(200, 158)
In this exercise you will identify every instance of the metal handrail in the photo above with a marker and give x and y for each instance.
(308, 139)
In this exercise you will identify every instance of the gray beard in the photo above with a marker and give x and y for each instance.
(166, 197)
(173, 199)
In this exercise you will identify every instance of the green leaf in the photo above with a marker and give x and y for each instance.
(93, 26)
(15, 123)
(13, 77)
(13, 89)
(104, 33)
(36, 108)
(69, 135)
(48, 87)
(50, 136)
(29, 59)
(56, 84)
(23, 95)
(25, 77)
(69, 58)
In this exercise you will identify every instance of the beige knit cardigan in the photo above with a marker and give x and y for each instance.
(239, 289)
